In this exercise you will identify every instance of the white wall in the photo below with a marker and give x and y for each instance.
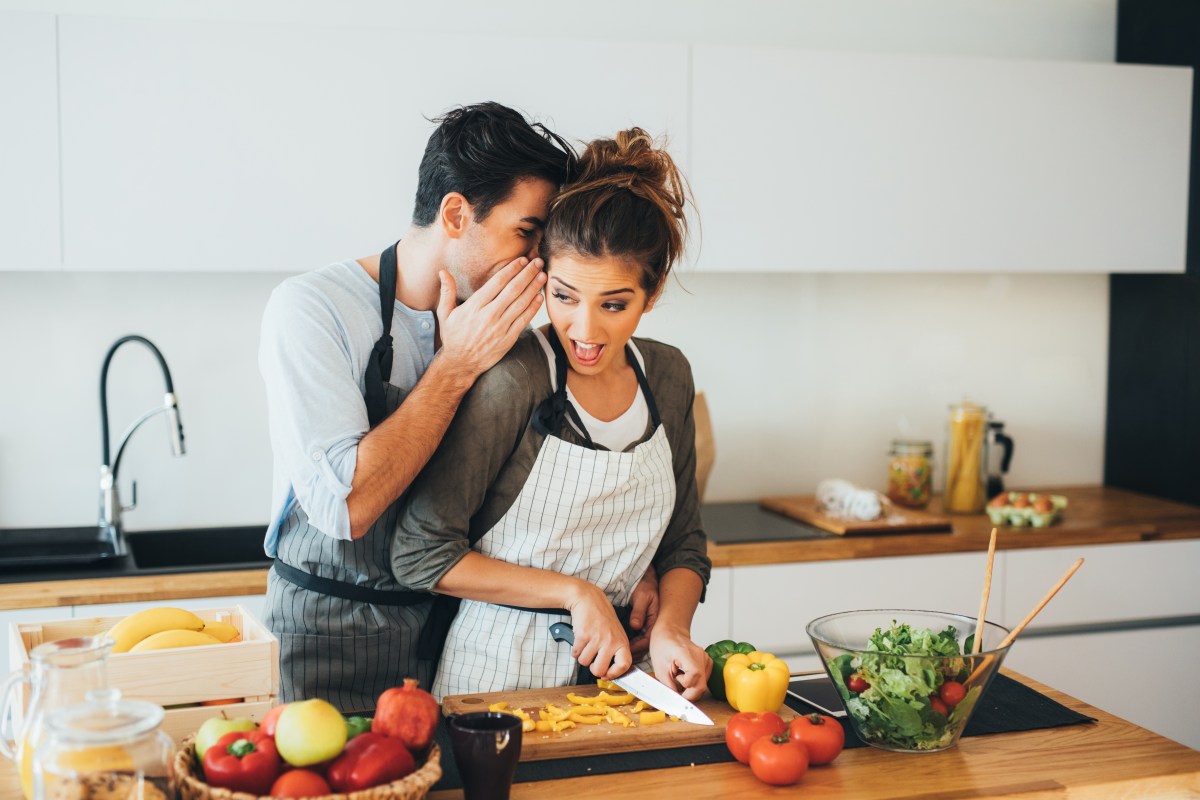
(809, 376)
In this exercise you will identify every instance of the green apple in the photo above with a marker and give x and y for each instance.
(215, 728)
(309, 732)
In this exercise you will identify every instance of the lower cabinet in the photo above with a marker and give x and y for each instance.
(1146, 676)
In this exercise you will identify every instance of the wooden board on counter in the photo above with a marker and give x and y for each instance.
(589, 740)
(896, 520)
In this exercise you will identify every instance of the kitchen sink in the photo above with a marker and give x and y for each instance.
(198, 547)
(40, 547)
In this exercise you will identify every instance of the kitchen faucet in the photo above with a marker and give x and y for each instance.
(110, 501)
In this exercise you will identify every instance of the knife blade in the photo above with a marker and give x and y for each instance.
(644, 686)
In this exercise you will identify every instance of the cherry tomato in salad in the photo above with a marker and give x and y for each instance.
(952, 693)
(747, 727)
(938, 705)
(856, 684)
(820, 734)
(778, 760)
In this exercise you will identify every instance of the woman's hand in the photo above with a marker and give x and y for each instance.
(644, 612)
(679, 662)
(600, 641)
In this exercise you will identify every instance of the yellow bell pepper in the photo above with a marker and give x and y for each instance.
(755, 681)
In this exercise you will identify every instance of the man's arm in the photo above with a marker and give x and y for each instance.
(474, 336)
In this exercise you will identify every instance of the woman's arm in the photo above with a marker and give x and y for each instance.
(678, 661)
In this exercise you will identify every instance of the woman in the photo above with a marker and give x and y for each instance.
(570, 467)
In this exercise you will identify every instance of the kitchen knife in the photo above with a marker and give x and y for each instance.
(644, 686)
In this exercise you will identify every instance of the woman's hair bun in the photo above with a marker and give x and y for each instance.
(625, 200)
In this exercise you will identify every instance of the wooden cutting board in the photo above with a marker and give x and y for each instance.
(898, 520)
(589, 740)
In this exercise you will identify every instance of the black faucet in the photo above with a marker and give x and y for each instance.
(110, 501)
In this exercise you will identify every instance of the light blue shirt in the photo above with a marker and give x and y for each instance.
(317, 333)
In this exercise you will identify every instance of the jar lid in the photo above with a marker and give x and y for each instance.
(104, 718)
(911, 447)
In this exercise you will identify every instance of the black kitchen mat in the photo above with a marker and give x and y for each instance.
(1008, 706)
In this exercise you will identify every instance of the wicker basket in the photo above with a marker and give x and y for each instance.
(410, 787)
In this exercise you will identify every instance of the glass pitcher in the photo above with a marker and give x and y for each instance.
(60, 674)
(966, 459)
(105, 747)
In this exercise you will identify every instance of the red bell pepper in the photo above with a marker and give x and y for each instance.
(370, 759)
(243, 761)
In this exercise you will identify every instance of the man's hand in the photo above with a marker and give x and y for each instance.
(644, 612)
(477, 334)
(679, 662)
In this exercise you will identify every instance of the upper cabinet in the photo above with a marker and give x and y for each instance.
(30, 237)
(828, 162)
(201, 145)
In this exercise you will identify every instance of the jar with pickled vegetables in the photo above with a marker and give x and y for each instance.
(910, 473)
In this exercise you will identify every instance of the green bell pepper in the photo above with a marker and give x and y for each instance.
(719, 652)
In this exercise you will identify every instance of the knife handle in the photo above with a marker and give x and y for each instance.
(562, 632)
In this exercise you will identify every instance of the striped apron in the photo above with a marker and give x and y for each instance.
(347, 630)
(593, 514)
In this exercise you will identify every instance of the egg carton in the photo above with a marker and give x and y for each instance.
(1026, 509)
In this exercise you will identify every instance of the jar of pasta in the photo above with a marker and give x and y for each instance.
(966, 453)
(910, 473)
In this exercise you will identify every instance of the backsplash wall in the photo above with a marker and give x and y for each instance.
(808, 376)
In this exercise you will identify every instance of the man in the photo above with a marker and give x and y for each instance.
(365, 363)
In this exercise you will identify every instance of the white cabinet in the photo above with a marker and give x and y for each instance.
(835, 161)
(772, 604)
(209, 145)
(712, 621)
(1145, 676)
(29, 187)
(1116, 582)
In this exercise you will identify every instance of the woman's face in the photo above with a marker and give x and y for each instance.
(595, 305)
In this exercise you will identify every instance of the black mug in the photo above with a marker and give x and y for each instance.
(487, 746)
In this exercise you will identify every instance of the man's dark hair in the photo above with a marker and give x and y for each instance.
(481, 151)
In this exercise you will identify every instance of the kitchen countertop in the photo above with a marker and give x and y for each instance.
(1096, 515)
(1110, 758)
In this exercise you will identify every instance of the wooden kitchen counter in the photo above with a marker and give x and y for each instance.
(1096, 515)
(1110, 758)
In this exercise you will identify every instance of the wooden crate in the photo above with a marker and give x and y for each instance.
(246, 671)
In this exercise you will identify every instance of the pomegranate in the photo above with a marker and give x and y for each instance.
(407, 713)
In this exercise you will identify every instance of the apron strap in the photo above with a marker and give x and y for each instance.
(548, 417)
(349, 591)
(379, 363)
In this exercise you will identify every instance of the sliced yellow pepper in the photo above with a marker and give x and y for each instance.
(586, 719)
(603, 683)
(553, 713)
(604, 698)
(652, 717)
(501, 706)
(617, 718)
(544, 725)
(641, 704)
(588, 711)
(755, 681)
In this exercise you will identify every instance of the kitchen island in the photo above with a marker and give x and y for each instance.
(1097, 515)
(1110, 758)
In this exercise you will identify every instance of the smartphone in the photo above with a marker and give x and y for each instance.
(817, 690)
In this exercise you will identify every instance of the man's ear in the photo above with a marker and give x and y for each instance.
(454, 215)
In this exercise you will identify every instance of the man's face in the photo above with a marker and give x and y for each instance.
(513, 229)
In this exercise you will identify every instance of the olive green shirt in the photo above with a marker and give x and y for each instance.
(489, 452)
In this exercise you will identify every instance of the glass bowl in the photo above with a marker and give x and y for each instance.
(897, 688)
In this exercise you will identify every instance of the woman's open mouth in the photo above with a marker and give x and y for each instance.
(587, 355)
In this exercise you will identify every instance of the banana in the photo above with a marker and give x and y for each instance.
(136, 627)
(164, 640)
(223, 631)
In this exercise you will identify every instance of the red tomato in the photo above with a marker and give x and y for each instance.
(300, 783)
(856, 684)
(822, 736)
(269, 719)
(778, 760)
(938, 705)
(747, 727)
(952, 693)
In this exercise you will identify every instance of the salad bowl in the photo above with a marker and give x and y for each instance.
(907, 678)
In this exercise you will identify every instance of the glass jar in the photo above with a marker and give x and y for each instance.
(59, 674)
(105, 748)
(910, 473)
(966, 454)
